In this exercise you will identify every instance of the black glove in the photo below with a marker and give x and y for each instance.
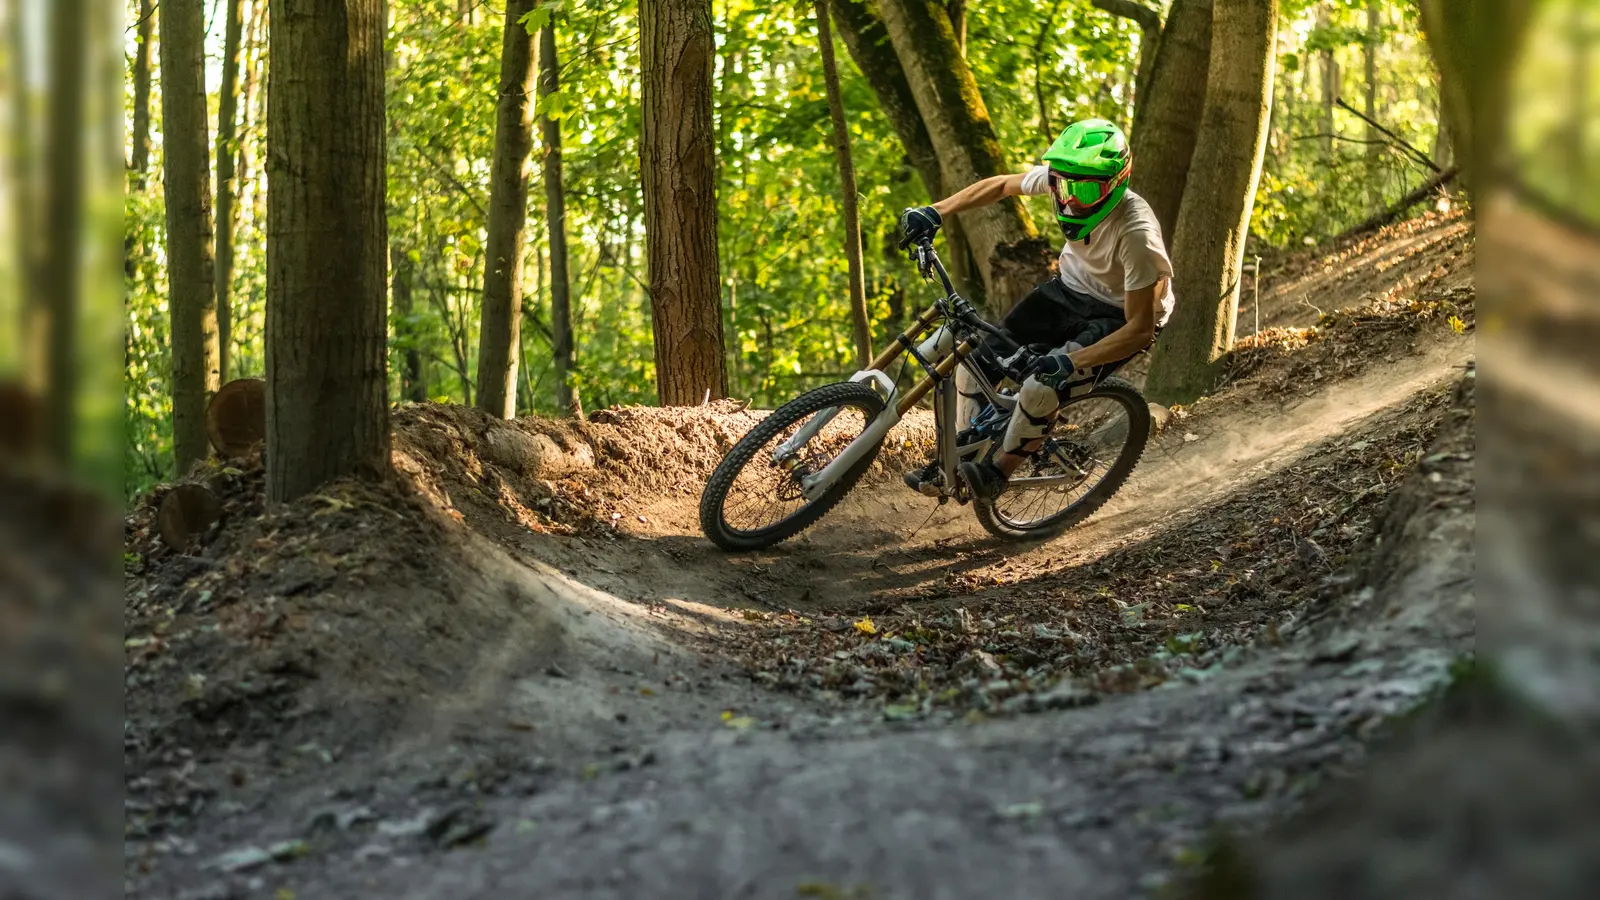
(1053, 369)
(919, 223)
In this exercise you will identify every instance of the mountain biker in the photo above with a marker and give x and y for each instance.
(1110, 295)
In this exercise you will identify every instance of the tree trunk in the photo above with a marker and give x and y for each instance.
(23, 167)
(499, 334)
(327, 246)
(139, 159)
(1149, 22)
(1476, 46)
(1010, 254)
(403, 274)
(555, 204)
(196, 370)
(227, 187)
(957, 11)
(678, 158)
(61, 264)
(1209, 252)
(1330, 83)
(1374, 146)
(1166, 123)
(867, 39)
(847, 191)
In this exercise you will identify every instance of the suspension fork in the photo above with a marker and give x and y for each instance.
(874, 372)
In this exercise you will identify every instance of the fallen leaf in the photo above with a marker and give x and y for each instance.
(865, 626)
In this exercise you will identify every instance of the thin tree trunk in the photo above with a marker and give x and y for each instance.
(678, 158)
(957, 11)
(64, 220)
(1215, 221)
(327, 246)
(555, 204)
(1374, 147)
(867, 39)
(1010, 254)
(1166, 123)
(404, 275)
(847, 191)
(1330, 83)
(139, 160)
(227, 187)
(196, 370)
(1149, 22)
(499, 334)
(1582, 36)
(27, 209)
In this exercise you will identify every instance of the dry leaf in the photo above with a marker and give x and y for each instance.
(865, 626)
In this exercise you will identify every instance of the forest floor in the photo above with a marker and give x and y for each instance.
(520, 671)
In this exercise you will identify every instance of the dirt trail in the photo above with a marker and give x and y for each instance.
(551, 684)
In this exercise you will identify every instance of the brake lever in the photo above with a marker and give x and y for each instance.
(1016, 365)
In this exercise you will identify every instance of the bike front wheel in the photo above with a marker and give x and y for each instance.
(1090, 452)
(753, 500)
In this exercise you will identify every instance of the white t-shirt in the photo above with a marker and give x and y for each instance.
(1124, 253)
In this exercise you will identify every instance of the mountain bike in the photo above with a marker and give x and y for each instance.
(802, 459)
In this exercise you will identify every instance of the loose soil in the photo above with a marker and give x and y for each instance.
(518, 668)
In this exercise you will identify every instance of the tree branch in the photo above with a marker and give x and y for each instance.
(1128, 9)
(1399, 141)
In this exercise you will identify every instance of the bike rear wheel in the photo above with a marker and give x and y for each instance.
(1090, 452)
(753, 499)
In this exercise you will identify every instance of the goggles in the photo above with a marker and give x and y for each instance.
(1077, 195)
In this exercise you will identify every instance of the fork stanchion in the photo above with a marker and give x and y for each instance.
(943, 370)
(910, 335)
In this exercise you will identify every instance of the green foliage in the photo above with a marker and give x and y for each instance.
(782, 269)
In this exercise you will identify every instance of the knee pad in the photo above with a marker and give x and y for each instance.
(1038, 401)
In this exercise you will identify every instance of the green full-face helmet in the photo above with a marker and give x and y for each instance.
(1089, 168)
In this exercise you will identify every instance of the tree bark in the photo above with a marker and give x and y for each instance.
(555, 204)
(61, 265)
(1476, 46)
(847, 191)
(1374, 147)
(139, 158)
(499, 333)
(196, 369)
(1215, 221)
(1010, 254)
(227, 187)
(678, 157)
(1166, 123)
(327, 246)
(1149, 22)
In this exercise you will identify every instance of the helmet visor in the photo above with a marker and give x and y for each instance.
(1076, 196)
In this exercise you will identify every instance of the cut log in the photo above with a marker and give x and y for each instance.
(236, 418)
(186, 512)
(19, 421)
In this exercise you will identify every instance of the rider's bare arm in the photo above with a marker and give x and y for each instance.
(981, 193)
(1140, 308)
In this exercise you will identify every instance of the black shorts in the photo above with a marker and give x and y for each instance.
(1053, 314)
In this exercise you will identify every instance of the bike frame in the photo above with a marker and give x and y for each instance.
(961, 331)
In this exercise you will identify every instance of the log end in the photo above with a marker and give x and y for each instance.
(236, 418)
(185, 513)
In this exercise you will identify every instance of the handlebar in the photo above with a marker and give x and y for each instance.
(955, 306)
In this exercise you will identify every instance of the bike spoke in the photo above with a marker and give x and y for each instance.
(1089, 432)
(766, 492)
